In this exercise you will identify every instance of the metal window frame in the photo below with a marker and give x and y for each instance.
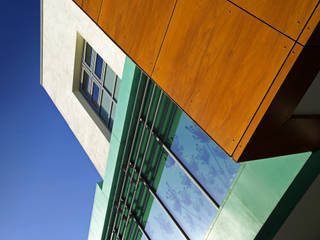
(94, 79)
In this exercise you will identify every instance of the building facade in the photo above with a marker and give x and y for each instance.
(201, 117)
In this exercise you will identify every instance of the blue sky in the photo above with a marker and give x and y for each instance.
(47, 181)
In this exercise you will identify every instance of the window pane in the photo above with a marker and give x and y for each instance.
(99, 62)
(184, 200)
(109, 81)
(113, 113)
(105, 107)
(213, 168)
(95, 93)
(116, 92)
(85, 82)
(88, 54)
(159, 226)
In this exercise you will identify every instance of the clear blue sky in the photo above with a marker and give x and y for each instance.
(47, 182)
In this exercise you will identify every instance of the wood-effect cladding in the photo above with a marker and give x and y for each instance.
(222, 61)
(78, 2)
(218, 64)
(138, 27)
(92, 8)
(310, 28)
(287, 16)
(268, 100)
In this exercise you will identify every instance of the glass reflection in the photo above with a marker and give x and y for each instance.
(213, 168)
(187, 204)
(159, 226)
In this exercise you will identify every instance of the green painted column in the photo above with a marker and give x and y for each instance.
(104, 190)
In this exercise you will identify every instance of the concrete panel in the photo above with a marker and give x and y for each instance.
(62, 21)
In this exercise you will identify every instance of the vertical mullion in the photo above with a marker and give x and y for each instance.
(125, 148)
(146, 150)
(134, 137)
(140, 143)
(145, 203)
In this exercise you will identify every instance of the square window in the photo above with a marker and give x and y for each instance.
(100, 85)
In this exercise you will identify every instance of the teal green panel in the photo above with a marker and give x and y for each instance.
(263, 182)
(98, 214)
(254, 195)
(124, 98)
(118, 131)
(111, 166)
(105, 190)
(234, 222)
(291, 198)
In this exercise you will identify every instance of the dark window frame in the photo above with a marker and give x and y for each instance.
(99, 82)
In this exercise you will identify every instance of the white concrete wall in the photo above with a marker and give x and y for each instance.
(63, 20)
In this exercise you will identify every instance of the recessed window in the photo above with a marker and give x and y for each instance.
(99, 85)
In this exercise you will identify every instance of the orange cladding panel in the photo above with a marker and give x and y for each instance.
(138, 27)
(287, 16)
(217, 62)
(78, 2)
(310, 28)
(92, 8)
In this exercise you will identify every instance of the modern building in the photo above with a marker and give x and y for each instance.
(202, 117)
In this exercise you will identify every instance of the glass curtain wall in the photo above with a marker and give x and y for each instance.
(173, 177)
